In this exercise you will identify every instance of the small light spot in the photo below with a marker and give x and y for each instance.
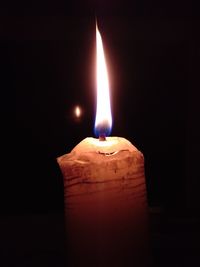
(77, 112)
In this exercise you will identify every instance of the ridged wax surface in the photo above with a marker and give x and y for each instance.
(105, 203)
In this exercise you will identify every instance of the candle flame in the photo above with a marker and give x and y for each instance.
(103, 122)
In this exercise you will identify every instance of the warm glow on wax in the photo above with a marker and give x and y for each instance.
(103, 122)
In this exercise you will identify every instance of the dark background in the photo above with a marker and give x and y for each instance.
(47, 67)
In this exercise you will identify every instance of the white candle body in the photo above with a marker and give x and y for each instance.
(105, 203)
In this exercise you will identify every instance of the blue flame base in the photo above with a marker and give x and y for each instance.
(102, 130)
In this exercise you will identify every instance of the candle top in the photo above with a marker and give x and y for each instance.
(112, 145)
(91, 150)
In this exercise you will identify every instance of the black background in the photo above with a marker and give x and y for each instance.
(47, 67)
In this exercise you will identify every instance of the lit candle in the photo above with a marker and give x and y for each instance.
(105, 192)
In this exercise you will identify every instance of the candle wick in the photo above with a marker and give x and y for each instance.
(102, 137)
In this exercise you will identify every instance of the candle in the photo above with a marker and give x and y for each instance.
(105, 192)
